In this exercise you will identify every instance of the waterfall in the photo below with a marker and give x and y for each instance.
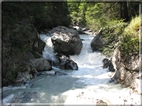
(84, 86)
(48, 51)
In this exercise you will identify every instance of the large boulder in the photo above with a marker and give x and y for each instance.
(65, 40)
(97, 42)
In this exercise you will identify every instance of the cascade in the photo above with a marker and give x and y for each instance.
(84, 86)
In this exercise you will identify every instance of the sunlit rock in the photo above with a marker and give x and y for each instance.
(127, 68)
(66, 40)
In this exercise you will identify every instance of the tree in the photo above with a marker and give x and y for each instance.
(124, 11)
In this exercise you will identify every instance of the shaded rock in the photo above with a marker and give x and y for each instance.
(105, 63)
(22, 77)
(41, 64)
(66, 63)
(80, 29)
(111, 67)
(65, 40)
(108, 64)
(18, 47)
(97, 42)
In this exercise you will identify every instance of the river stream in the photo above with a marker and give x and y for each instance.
(83, 86)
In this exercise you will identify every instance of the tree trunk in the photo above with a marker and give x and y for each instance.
(124, 11)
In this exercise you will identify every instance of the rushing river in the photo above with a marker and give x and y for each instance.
(83, 86)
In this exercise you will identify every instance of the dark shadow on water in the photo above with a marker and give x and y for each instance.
(47, 89)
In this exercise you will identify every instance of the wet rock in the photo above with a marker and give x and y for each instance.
(105, 63)
(97, 42)
(66, 40)
(108, 64)
(66, 63)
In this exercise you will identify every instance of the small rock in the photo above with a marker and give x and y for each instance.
(101, 103)
(50, 72)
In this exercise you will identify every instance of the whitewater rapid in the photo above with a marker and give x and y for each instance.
(84, 86)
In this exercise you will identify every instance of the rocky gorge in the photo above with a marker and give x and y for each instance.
(66, 42)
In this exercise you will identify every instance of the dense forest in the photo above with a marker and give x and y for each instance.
(22, 21)
(45, 15)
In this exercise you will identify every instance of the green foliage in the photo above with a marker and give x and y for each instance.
(97, 15)
(111, 36)
(10, 74)
(130, 39)
(23, 36)
(42, 15)
(21, 22)
(101, 15)
(77, 12)
(129, 45)
(133, 27)
(123, 35)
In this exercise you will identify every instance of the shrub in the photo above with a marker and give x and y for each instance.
(112, 35)
(130, 40)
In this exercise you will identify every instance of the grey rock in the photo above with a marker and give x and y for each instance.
(97, 42)
(66, 63)
(108, 64)
(127, 68)
(66, 40)
(41, 64)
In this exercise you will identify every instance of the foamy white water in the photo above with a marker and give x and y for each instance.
(48, 51)
(84, 86)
